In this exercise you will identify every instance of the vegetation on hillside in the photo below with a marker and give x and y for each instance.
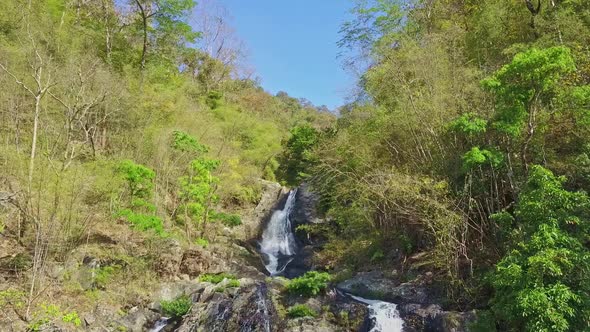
(465, 154)
(118, 113)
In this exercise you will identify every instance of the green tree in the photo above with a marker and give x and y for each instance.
(542, 283)
(165, 20)
(298, 156)
(524, 89)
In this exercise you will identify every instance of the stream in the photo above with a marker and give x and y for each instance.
(279, 248)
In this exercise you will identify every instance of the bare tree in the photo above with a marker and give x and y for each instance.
(218, 38)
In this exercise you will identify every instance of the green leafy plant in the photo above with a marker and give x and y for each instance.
(202, 242)
(301, 310)
(310, 284)
(12, 297)
(143, 222)
(186, 143)
(50, 312)
(230, 220)
(177, 307)
(541, 284)
(216, 278)
(104, 275)
(233, 283)
(139, 178)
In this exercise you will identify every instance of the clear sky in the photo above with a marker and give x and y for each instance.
(292, 46)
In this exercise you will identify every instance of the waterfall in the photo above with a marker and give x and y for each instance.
(384, 314)
(160, 325)
(278, 242)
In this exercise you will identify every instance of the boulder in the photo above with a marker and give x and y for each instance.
(431, 318)
(168, 262)
(305, 209)
(137, 320)
(251, 309)
(196, 261)
(253, 223)
(375, 285)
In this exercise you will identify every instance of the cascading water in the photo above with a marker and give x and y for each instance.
(278, 242)
(384, 314)
(160, 324)
(278, 248)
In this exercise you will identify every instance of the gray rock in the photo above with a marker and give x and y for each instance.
(305, 209)
(253, 223)
(431, 318)
(170, 290)
(138, 319)
(252, 309)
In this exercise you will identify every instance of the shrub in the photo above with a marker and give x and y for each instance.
(177, 307)
(186, 143)
(311, 283)
(301, 310)
(233, 283)
(541, 284)
(143, 222)
(104, 275)
(138, 177)
(202, 242)
(230, 220)
(216, 278)
(12, 297)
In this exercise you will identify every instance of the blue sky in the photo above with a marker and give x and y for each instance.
(292, 46)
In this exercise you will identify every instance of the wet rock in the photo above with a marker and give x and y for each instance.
(375, 286)
(253, 223)
(251, 309)
(171, 290)
(305, 209)
(138, 319)
(431, 318)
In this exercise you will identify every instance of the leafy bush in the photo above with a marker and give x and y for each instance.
(19, 262)
(49, 313)
(138, 177)
(310, 284)
(541, 284)
(177, 307)
(233, 283)
(104, 275)
(143, 222)
(12, 297)
(202, 242)
(184, 142)
(301, 310)
(230, 220)
(216, 278)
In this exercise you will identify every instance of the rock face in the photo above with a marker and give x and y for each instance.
(137, 320)
(431, 318)
(305, 209)
(250, 309)
(374, 285)
(253, 223)
(416, 305)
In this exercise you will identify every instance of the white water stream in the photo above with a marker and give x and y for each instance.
(278, 242)
(386, 316)
(160, 325)
(279, 248)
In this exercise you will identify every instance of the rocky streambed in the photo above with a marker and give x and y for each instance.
(368, 301)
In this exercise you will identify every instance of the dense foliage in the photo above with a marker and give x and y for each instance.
(117, 119)
(309, 284)
(445, 161)
(178, 307)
